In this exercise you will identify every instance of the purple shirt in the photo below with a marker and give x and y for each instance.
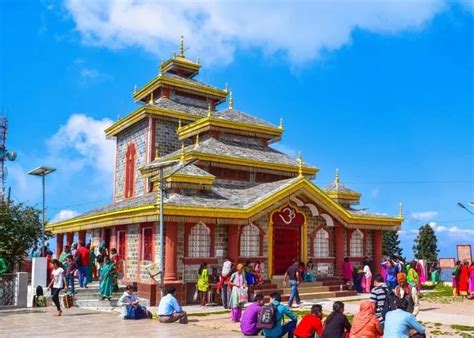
(248, 322)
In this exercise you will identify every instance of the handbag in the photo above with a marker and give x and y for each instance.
(195, 296)
(243, 295)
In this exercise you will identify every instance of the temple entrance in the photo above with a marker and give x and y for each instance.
(287, 237)
(286, 248)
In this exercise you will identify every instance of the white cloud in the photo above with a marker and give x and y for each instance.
(453, 230)
(424, 215)
(64, 215)
(216, 29)
(85, 136)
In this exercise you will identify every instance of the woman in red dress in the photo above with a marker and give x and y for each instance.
(463, 279)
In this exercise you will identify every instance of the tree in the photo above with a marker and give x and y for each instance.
(20, 229)
(391, 243)
(426, 244)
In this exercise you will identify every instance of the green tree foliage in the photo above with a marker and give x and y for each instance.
(20, 230)
(426, 244)
(391, 244)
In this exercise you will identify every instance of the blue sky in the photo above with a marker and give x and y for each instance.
(384, 92)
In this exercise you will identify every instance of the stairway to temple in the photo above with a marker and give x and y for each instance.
(330, 287)
(89, 298)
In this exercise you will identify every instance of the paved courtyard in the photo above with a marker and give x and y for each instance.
(75, 321)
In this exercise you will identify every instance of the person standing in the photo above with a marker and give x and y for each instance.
(455, 279)
(281, 311)
(408, 292)
(84, 259)
(311, 323)
(92, 272)
(367, 281)
(365, 324)
(63, 256)
(336, 324)
(105, 279)
(239, 286)
(399, 322)
(347, 270)
(224, 288)
(70, 270)
(293, 276)
(118, 273)
(471, 281)
(412, 276)
(248, 324)
(202, 283)
(57, 284)
(464, 279)
(379, 296)
(391, 273)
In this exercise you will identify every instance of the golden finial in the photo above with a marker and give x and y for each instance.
(196, 144)
(281, 123)
(400, 210)
(226, 88)
(181, 47)
(151, 98)
(300, 164)
(336, 178)
(198, 61)
(181, 158)
(135, 88)
(157, 152)
(179, 123)
(209, 109)
(231, 101)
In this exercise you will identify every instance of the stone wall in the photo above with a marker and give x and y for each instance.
(188, 100)
(138, 135)
(132, 252)
(369, 240)
(166, 138)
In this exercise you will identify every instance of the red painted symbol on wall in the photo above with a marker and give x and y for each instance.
(288, 216)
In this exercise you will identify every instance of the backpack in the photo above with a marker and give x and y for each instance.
(136, 312)
(266, 318)
(40, 301)
(390, 301)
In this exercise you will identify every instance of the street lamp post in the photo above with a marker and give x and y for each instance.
(161, 166)
(465, 208)
(42, 172)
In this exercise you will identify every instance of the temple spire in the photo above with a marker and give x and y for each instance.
(281, 123)
(300, 164)
(209, 109)
(336, 178)
(181, 158)
(196, 144)
(231, 101)
(181, 47)
(400, 210)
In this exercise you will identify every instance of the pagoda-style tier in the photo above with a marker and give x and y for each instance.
(342, 194)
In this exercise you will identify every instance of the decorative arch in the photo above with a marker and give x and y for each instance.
(130, 159)
(321, 243)
(328, 219)
(199, 241)
(250, 241)
(356, 248)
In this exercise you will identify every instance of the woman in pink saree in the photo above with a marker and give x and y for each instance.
(420, 269)
(471, 281)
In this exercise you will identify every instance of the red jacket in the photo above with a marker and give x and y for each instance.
(84, 256)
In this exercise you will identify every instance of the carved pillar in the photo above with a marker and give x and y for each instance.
(233, 242)
(377, 250)
(171, 251)
(339, 234)
(69, 238)
(59, 244)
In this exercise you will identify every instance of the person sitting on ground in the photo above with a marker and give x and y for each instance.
(281, 310)
(129, 302)
(336, 324)
(258, 273)
(365, 324)
(302, 270)
(379, 296)
(169, 310)
(214, 277)
(310, 275)
(399, 322)
(249, 274)
(311, 324)
(248, 322)
(409, 292)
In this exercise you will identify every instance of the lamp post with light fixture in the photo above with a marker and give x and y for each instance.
(42, 172)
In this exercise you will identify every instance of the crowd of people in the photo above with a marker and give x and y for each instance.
(463, 279)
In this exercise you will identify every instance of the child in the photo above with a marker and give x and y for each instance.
(70, 270)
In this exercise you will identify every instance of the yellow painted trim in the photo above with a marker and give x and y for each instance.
(344, 196)
(182, 62)
(227, 213)
(181, 178)
(206, 123)
(270, 248)
(196, 155)
(161, 80)
(304, 246)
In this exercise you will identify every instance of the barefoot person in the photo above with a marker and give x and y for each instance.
(105, 279)
(57, 284)
(169, 310)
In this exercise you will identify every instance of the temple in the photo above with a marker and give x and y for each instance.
(228, 192)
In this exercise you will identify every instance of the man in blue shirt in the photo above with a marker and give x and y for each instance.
(399, 322)
(281, 310)
(169, 310)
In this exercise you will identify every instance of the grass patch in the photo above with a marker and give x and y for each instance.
(437, 324)
(205, 314)
(440, 294)
(462, 327)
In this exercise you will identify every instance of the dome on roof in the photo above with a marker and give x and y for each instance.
(340, 193)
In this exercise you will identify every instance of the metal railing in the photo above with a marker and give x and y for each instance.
(9, 290)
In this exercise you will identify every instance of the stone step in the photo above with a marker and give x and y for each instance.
(311, 289)
(94, 295)
(94, 303)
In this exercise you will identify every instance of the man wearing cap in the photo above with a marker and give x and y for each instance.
(408, 292)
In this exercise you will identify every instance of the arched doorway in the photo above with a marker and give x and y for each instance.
(288, 238)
